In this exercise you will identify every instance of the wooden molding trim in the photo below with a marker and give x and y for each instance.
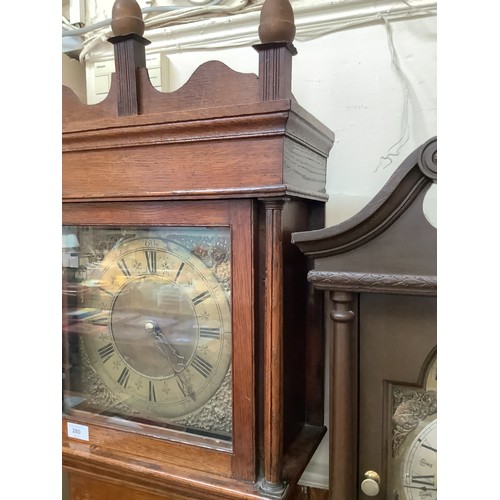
(381, 283)
(414, 175)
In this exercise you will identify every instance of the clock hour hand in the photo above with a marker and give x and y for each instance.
(175, 360)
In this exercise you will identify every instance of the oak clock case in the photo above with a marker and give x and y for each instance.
(193, 344)
(150, 327)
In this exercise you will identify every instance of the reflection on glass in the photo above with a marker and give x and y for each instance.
(147, 325)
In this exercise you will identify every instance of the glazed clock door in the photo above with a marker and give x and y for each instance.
(398, 398)
(155, 306)
(152, 324)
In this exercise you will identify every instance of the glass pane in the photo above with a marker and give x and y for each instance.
(147, 326)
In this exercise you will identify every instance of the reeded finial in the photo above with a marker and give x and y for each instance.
(126, 18)
(276, 22)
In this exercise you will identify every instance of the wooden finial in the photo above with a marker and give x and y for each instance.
(130, 54)
(126, 18)
(276, 22)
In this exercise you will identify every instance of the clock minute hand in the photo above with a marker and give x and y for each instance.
(423, 488)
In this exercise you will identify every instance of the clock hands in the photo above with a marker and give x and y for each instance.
(423, 488)
(175, 360)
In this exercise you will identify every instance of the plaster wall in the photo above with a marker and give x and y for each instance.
(73, 76)
(349, 81)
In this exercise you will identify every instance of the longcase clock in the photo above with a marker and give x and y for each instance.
(379, 272)
(192, 341)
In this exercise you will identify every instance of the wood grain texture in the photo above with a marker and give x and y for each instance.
(242, 220)
(212, 85)
(242, 155)
(210, 154)
(273, 345)
(130, 54)
(109, 441)
(88, 487)
(179, 170)
(275, 70)
(153, 478)
(206, 212)
(302, 331)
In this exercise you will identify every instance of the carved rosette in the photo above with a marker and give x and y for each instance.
(427, 160)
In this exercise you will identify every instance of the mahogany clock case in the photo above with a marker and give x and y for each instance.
(378, 270)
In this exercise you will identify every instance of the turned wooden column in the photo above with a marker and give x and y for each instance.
(343, 397)
(273, 351)
(276, 32)
(130, 54)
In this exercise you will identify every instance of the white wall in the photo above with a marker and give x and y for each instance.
(73, 76)
(373, 84)
(348, 81)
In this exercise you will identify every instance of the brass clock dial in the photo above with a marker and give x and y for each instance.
(168, 347)
(156, 335)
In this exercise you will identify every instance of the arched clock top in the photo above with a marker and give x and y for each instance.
(407, 183)
(387, 246)
(427, 158)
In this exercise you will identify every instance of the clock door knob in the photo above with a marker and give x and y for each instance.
(370, 485)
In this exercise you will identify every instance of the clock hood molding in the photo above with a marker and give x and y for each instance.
(227, 113)
(175, 125)
(387, 246)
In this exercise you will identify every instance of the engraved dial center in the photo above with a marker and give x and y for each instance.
(154, 326)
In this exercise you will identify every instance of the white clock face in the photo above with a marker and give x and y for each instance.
(420, 466)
